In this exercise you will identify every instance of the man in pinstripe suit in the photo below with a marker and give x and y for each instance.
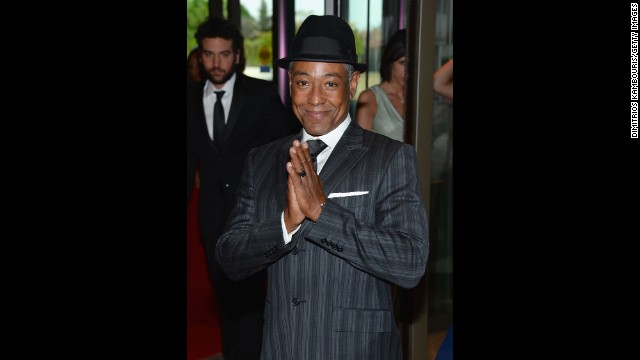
(333, 240)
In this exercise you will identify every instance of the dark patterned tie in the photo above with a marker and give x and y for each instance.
(218, 120)
(315, 148)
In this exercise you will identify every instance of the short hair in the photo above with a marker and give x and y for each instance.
(214, 27)
(350, 69)
(395, 49)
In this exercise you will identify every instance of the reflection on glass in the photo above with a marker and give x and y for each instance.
(440, 271)
(305, 8)
(256, 18)
(365, 18)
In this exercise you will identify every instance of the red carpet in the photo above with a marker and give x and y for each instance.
(203, 329)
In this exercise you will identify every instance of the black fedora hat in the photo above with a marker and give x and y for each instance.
(325, 38)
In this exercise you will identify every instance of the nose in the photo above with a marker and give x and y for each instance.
(216, 60)
(315, 97)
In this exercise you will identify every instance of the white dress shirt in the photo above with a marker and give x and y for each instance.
(209, 99)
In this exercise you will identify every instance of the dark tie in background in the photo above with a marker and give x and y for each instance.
(315, 148)
(218, 119)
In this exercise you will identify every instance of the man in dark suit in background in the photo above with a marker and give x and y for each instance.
(335, 239)
(218, 141)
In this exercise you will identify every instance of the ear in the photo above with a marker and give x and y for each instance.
(238, 57)
(354, 83)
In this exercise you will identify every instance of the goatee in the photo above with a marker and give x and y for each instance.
(224, 79)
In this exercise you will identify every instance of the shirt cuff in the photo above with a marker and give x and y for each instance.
(285, 236)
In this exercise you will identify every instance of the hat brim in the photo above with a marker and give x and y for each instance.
(284, 62)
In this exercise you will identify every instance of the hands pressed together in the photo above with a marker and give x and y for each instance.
(305, 195)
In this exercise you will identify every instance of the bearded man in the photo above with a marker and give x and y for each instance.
(228, 114)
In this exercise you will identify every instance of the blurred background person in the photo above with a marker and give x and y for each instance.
(381, 107)
(194, 73)
(443, 80)
(228, 114)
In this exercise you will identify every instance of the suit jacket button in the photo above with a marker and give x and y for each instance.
(295, 301)
(295, 251)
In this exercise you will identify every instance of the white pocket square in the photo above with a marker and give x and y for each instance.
(345, 194)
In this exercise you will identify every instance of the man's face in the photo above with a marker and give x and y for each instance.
(218, 59)
(320, 94)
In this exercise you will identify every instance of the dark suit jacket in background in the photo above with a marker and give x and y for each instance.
(330, 288)
(256, 117)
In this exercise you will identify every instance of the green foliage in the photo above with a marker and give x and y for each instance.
(249, 25)
(265, 21)
(360, 41)
(257, 32)
(252, 48)
(197, 12)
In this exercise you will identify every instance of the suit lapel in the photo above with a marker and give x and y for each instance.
(202, 121)
(282, 157)
(349, 150)
(201, 118)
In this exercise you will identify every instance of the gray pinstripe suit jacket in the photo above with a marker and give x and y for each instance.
(329, 290)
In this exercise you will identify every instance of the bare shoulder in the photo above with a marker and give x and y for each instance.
(366, 97)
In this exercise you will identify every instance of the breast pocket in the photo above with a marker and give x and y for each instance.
(352, 202)
(359, 205)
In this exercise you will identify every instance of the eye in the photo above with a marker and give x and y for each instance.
(331, 84)
(302, 83)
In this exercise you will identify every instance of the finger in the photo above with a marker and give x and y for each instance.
(292, 213)
(295, 157)
(291, 192)
(297, 160)
(293, 172)
(305, 154)
(302, 151)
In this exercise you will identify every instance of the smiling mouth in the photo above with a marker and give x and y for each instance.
(317, 114)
